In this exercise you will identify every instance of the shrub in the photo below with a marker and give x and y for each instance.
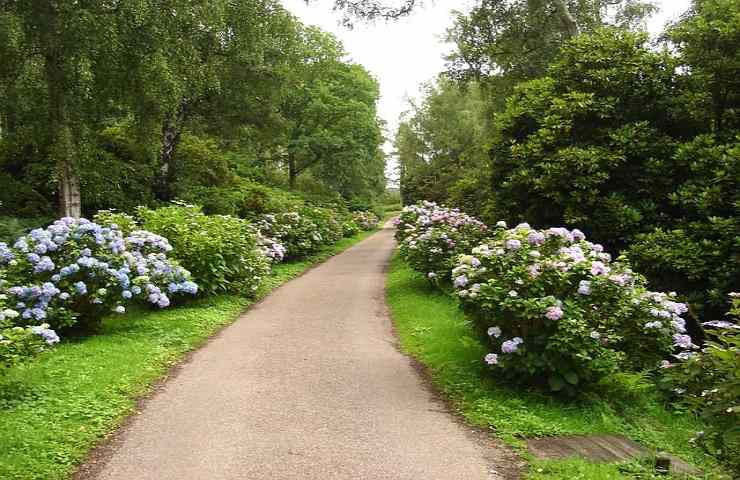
(243, 198)
(300, 235)
(350, 228)
(328, 222)
(707, 383)
(557, 310)
(18, 198)
(221, 251)
(110, 218)
(198, 161)
(406, 222)
(436, 237)
(366, 220)
(18, 344)
(701, 261)
(698, 253)
(76, 271)
(591, 143)
(271, 248)
(13, 227)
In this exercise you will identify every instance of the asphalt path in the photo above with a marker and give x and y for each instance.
(308, 384)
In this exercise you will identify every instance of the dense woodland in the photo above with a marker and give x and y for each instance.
(565, 113)
(117, 104)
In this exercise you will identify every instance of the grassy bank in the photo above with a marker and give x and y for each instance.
(52, 411)
(433, 330)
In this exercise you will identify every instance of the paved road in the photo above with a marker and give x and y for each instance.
(306, 385)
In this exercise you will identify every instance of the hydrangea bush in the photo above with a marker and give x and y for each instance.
(76, 271)
(350, 228)
(222, 252)
(18, 344)
(559, 312)
(299, 234)
(366, 220)
(328, 222)
(271, 248)
(433, 236)
(707, 383)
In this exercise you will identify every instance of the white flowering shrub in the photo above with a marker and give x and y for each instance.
(559, 313)
(406, 222)
(350, 228)
(366, 220)
(299, 234)
(707, 383)
(433, 237)
(76, 271)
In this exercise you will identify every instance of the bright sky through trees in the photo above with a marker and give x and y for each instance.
(406, 53)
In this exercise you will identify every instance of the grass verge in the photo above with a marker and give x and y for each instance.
(434, 331)
(55, 409)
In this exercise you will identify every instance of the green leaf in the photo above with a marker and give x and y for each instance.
(571, 377)
(556, 382)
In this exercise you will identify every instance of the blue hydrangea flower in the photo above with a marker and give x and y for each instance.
(81, 288)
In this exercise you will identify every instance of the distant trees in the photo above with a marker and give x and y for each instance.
(503, 42)
(330, 107)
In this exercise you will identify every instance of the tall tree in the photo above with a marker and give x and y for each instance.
(66, 48)
(442, 140)
(331, 107)
(503, 42)
(708, 41)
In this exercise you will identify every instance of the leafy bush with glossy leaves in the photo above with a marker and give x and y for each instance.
(590, 144)
(698, 255)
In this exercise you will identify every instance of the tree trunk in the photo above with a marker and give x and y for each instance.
(292, 172)
(571, 27)
(63, 147)
(70, 204)
(171, 130)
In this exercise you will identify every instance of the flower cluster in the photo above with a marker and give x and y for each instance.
(432, 237)
(271, 248)
(424, 215)
(300, 235)
(558, 309)
(17, 344)
(366, 220)
(76, 271)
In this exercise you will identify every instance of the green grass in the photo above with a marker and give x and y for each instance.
(55, 409)
(433, 330)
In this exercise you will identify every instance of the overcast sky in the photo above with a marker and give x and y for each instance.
(404, 54)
